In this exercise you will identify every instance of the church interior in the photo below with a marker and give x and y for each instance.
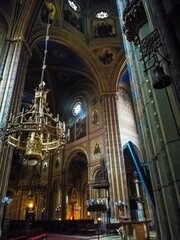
(90, 119)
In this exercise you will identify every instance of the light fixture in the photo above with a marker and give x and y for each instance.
(161, 79)
(31, 205)
(35, 131)
(120, 204)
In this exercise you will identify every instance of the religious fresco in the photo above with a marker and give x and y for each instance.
(97, 147)
(73, 18)
(103, 28)
(77, 128)
(57, 162)
(95, 117)
(106, 56)
(81, 127)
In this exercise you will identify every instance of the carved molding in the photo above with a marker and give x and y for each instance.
(134, 17)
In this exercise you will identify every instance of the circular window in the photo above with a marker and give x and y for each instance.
(74, 4)
(102, 14)
(76, 108)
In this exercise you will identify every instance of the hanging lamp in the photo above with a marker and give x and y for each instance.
(35, 131)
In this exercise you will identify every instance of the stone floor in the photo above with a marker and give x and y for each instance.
(104, 237)
(65, 237)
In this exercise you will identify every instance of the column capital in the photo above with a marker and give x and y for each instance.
(20, 40)
(109, 94)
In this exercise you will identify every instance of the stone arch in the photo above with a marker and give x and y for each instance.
(71, 154)
(126, 117)
(137, 148)
(93, 172)
(137, 179)
(5, 17)
(80, 48)
(76, 180)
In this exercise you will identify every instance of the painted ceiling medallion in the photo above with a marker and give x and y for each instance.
(106, 56)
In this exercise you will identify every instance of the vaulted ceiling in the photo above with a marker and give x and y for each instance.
(67, 73)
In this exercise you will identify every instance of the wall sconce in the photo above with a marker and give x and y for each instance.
(120, 204)
(58, 212)
(76, 207)
(58, 208)
(6, 200)
(43, 209)
(92, 201)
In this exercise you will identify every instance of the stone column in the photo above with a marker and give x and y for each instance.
(140, 208)
(114, 158)
(50, 191)
(63, 185)
(81, 205)
(64, 204)
(152, 138)
(13, 70)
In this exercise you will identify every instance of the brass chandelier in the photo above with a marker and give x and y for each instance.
(35, 131)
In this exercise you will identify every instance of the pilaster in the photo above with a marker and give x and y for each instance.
(114, 159)
(13, 70)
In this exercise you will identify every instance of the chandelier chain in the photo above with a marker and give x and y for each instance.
(45, 49)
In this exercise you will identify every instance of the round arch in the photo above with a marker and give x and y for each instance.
(116, 71)
(5, 17)
(93, 172)
(71, 155)
(97, 73)
(76, 181)
(136, 147)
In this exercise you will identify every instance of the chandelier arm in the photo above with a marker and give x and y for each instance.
(30, 110)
